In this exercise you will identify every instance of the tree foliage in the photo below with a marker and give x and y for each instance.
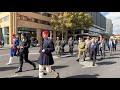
(71, 20)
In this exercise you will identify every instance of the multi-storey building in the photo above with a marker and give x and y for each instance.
(109, 27)
(32, 23)
(98, 28)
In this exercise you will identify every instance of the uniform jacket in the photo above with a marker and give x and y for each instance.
(81, 44)
(71, 43)
(46, 58)
(92, 49)
(103, 45)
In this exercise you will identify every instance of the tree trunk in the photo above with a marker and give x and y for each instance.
(62, 33)
(73, 34)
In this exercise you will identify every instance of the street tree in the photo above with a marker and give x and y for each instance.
(81, 20)
(61, 22)
(71, 20)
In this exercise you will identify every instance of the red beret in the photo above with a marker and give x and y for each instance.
(13, 35)
(45, 32)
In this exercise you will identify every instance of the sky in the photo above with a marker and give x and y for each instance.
(115, 17)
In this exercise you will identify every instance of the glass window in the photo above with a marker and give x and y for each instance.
(25, 18)
(18, 16)
(36, 20)
(30, 19)
(6, 18)
(21, 17)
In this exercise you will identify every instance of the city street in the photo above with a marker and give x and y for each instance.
(67, 66)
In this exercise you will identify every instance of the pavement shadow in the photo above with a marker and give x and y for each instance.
(69, 56)
(111, 57)
(59, 67)
(7, 68)
(84, 76)
(30, 70)
(116, 54)
(105, 63)
(24, 77)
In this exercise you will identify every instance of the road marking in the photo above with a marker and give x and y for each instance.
(87, 64)
(13, 75)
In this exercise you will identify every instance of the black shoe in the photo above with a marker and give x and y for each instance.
(45, 73)
(77, 60)
(34, 67)
(58, 75)
(18, 71)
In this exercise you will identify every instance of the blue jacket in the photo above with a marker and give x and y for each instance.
(12, 51)
(92, 50)
(46, 58)
(16, 43)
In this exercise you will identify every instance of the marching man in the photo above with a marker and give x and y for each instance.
(45, 59)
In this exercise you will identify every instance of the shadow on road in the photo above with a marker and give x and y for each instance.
(30, 70)
(7, 68)
(59, 67)
(84, 76)
(116, 54)
(24, 77)
(105, 63)
(111, 57)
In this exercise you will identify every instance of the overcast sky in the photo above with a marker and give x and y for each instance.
(115, 17)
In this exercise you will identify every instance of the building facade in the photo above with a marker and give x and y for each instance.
(31, 23)
(109, 27)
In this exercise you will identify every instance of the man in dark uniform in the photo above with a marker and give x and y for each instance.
(62, 45)
(92, 51)
(45, 59)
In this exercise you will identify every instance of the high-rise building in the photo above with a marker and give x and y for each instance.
(109, 27)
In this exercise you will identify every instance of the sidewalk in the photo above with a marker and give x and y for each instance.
(6, 46)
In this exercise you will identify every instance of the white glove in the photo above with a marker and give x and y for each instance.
(43, 50)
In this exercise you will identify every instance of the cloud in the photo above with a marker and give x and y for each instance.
(115, 17)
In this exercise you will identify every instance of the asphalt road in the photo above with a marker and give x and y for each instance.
(66, 66)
